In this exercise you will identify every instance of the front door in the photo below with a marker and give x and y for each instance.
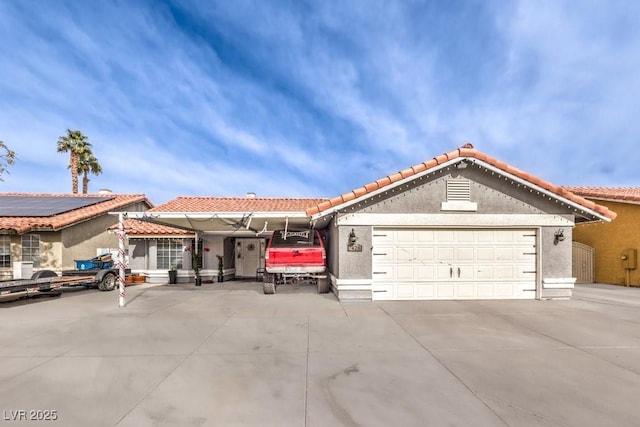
(249, 256)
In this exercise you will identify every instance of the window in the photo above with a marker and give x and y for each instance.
(295, 238)
(5, 251)
(31, 249)
(169, 254)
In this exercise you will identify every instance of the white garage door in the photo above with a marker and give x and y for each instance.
(452, 264)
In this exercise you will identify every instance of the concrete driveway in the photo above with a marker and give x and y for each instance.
(227, 355)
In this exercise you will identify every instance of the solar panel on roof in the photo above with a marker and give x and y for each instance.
(46, 205)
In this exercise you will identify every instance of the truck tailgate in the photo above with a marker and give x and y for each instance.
(295, 257)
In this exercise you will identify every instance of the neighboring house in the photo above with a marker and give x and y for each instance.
(462, 225)
(51, 231)
(609, 242)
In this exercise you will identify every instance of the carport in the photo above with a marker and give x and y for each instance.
(231, 232)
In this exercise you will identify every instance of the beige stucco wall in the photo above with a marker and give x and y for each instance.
(59, 249)
(610, 239)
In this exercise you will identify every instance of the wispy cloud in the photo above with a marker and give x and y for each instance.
(316, 98)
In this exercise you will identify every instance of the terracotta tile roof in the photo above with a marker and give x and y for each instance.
(466, 151)
(25, 224)
(618, 194)
(236, 204)
(134, 227)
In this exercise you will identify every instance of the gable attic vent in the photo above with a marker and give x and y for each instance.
(458, 190)
(459, 196)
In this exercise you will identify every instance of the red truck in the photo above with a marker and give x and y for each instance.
(295, 256)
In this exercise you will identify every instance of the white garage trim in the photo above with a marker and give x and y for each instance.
(454, 220)
(454, 263)
(558, 282)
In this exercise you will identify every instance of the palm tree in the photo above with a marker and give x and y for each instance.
(74, 143)
(88, 163)
(7, 157)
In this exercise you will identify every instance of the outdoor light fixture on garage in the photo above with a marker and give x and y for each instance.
(558, 236)
(353, 245)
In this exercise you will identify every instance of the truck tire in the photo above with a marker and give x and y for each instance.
(269, 288)
(108, 282)
(323, 285)
(269, 284)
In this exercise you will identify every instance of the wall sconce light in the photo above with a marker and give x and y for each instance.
(352, 237)
(558, 236)
(352, 244)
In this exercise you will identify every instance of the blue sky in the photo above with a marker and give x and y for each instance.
(315, 98)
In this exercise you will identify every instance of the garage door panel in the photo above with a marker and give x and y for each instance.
(444, 272)
(486, 254)
(383, 254)
(445, 254)
(425, 236)
(445, 290)
(505, 254)
(526, 255)
(484, 272)
(465, 254)
(426, 254)
(526, 274)
(425, 290)
(486, 290)
(445, 236)
(383, 292)
(485, 236)
(465, 236)
(465, 272)
(507, 272)
(425, 273)
(405, 254)
(383, 237)
(466, 290)
(405, 291)
(405, 236)
(383, 272)
(525, 237)
(404, 273)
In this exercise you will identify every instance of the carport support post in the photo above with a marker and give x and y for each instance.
(121, 266)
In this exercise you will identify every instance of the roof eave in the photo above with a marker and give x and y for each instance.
(474, 160)
(381, 190)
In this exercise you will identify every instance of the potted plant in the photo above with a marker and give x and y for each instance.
(173, 275)
(196, 262)
(220, 268)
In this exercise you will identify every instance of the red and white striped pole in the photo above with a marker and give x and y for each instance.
(121, 266)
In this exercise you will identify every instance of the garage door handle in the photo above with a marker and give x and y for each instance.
(458, 271)
(450, 271)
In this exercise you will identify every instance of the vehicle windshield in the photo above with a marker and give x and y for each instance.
(294, 238)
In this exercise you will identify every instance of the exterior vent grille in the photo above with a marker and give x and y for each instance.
(458, 190)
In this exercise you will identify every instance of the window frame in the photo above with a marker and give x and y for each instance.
(169, 253)
(29, 250)
(5, 251)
